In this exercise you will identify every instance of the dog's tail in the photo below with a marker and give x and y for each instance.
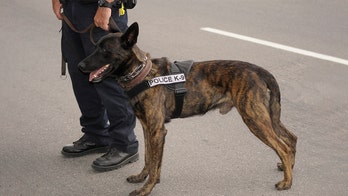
(274, 101)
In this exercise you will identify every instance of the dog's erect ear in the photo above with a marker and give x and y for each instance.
(129, 38)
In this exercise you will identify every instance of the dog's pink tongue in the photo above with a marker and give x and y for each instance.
(93, 75)
(97, 73)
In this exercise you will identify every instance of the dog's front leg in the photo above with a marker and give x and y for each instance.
(145, 172)
(156, 141)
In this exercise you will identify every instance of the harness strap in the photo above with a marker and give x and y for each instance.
(179, 88)
(138, 89)
(179, 92)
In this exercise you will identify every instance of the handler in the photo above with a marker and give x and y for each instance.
(107, 118)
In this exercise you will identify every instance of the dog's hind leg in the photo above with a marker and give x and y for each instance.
(282, 132)
(290, 139)
(256, 116)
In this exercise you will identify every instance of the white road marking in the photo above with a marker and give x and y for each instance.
(278, 46)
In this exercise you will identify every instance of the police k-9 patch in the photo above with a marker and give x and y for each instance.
(169, 79)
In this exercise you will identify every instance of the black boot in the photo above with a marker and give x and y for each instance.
(83, 147)
(114, 159)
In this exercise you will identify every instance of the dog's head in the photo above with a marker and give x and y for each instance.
(112, 51)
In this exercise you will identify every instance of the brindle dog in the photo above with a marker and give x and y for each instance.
(218, 84)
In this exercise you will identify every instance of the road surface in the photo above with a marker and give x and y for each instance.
(211, 155)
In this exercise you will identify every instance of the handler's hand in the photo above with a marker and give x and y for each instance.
(101, 18)
(56, 5)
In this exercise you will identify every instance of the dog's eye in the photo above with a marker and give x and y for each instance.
(104, 50)
(106, 53)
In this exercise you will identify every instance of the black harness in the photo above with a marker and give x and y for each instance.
(177, 67)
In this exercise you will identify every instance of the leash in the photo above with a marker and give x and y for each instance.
(90, 28)
(72, 27)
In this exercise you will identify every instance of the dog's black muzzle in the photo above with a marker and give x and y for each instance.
(82, 66)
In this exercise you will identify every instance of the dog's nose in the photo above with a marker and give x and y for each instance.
(82, 66)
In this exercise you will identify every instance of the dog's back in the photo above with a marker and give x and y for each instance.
(223, 84)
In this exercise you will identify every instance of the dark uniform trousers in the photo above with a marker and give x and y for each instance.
(107, 116)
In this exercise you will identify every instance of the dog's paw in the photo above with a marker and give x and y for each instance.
(136, 178)
(134, 193)
(138, 192)
(283, 185)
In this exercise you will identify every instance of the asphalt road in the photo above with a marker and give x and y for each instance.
(211, 155)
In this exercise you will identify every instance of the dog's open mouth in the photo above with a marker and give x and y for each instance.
(101, 73)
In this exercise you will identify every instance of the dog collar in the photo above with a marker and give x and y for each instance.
(138, 75)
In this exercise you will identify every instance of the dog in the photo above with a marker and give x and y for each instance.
(216, 84)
